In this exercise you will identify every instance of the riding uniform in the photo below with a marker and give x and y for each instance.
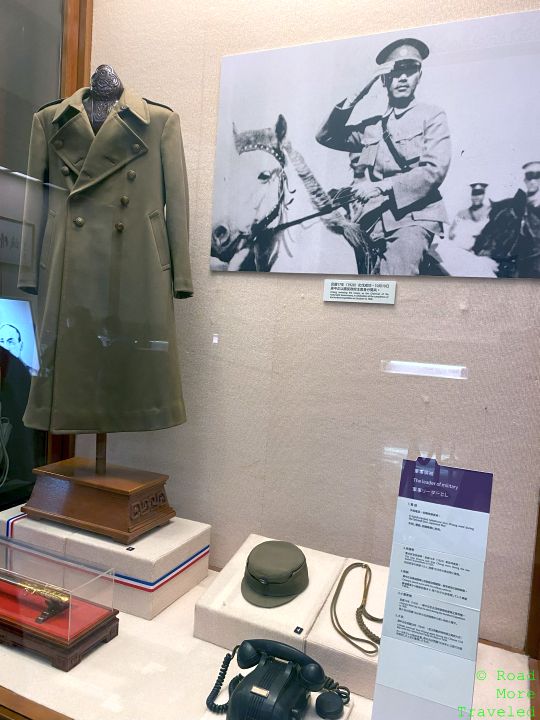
(409, 148)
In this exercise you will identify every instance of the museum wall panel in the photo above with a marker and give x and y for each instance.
(294, 431)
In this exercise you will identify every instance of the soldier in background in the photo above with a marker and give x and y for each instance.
(468, 223)
(512, 235)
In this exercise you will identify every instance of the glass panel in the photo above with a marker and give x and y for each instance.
(30, 75)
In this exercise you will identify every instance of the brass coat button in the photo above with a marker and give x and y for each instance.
(124, 200)
(58, 144)
(136, 148)
(131, 175)
(65, 170)
(120, 226)
(79, 221)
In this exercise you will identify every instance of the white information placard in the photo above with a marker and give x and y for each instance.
(360, 291)
(432, 613)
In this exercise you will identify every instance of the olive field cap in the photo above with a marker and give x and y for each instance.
(404, 49)
(276, 572)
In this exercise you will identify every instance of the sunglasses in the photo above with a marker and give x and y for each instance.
(405, 66)
(532, 175)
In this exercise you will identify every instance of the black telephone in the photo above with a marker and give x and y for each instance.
(279, 687)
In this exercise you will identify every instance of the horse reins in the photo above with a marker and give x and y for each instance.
(263, 225)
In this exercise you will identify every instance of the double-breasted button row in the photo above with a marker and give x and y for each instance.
(131, 175)
(124, 200)
(136, 148)
(79, 222)
(64, 170)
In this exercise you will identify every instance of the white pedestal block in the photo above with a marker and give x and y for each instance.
(339, 658)
(149, 575)
(155, 570)
(223, 617)
(46, 535)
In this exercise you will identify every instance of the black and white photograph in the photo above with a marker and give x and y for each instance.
(415, 152)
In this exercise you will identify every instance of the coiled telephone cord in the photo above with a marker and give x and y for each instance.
(211, 699)
(331, 685)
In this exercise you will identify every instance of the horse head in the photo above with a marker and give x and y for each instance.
(255, 198)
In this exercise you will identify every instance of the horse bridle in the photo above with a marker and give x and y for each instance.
(262, 226)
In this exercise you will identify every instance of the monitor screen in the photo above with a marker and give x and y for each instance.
(17, 332)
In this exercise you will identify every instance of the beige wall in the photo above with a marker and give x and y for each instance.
(293, 430)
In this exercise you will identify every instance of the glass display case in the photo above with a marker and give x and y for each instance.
(355, 471)
(52, 604)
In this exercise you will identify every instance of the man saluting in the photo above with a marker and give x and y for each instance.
(407, 152)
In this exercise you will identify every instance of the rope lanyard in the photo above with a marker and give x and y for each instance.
(369, 646)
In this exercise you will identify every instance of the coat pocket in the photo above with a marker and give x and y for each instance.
(159, 232)
(368, 152)
(410, 148)
(46, 244)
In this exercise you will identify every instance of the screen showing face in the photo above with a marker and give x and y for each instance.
(17, 333)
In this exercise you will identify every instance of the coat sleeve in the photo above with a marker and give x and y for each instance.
(177, 206)
(35, 209)
(336, 134)
(416, 184)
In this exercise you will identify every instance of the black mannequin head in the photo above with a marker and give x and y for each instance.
(105, 83)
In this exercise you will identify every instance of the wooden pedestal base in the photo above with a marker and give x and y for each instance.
(63, 657)
(123, 503)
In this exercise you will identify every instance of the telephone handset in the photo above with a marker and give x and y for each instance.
(279, 687)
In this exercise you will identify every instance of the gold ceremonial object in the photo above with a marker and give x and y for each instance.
(57, 600)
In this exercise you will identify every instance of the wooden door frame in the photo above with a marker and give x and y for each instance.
(77, 45)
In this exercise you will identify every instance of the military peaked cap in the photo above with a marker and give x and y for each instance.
(403, 49)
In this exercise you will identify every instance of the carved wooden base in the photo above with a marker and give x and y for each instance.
(63, 657)
(123, 504)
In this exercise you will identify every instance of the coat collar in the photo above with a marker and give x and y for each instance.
(129, 102)
(93, 157)
(398, 112)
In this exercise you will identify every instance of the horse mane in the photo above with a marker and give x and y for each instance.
(319, 197)
(320, 200)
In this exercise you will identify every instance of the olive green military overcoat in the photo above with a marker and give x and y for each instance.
(105, 248)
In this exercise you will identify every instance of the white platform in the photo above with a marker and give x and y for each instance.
(150, 574)
(159, 670)
(223, 617)
(338, 657)
(45, 534)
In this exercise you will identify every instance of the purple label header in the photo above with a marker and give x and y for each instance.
(426, 480)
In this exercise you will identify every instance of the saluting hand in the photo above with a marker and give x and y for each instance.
(355, 96)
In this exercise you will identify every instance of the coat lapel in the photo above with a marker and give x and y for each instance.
(115, 145)
(94, 157)
(74, 136)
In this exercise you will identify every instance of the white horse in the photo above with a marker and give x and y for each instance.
(270, 225)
